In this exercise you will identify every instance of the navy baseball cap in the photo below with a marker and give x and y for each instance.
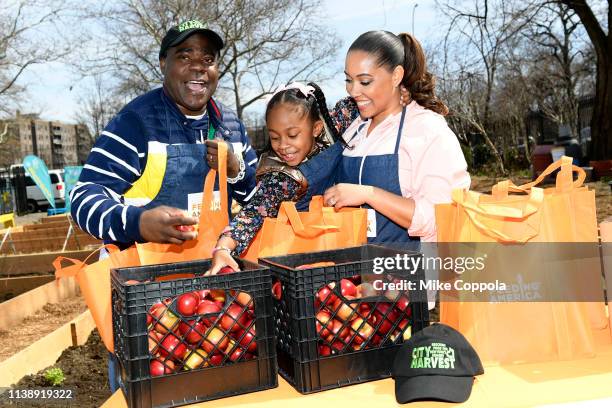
(436, 363)
(179, 33)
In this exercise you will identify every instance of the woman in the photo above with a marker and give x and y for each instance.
(401, 160)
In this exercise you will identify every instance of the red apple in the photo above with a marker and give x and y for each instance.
(217, 295)
(214, 340)
(337, 346)
(362, 329)
(247, 339)
(324, 350)
(225, 270)
(202, 294)
(326, 296)
(347, 288)
(154, 339)
(164, 320)
(243, 298)
(195, 359)
(172, 347)
(210, 309)
(402, 304)
(337, 330)
(187, 304)
(216, 359)
(194, 331)
(185, 228)
(234, 318)
(277, 290)
(365, 290)
(323, 323)
(343, 311)
(234, 351)
(387, 315)
(157, 368)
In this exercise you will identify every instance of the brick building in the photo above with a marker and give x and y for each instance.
(59, 144)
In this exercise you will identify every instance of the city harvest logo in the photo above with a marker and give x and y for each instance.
(517, 292)
(188, 25)
(436, 355)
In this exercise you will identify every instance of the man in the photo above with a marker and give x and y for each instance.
(149, 163)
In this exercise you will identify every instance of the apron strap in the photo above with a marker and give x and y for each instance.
(399, 131)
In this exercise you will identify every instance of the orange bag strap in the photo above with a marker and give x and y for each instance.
(77, 264)
(471, 200)
(209, 183)
(316, 204)
(564, 182)
(476, 212)
(288, 212)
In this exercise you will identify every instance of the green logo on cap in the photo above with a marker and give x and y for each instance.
(187, 25)
(437, 355)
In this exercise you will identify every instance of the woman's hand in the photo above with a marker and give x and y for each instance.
(348, 195)
(220, 259)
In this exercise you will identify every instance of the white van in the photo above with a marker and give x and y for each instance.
(36, 199)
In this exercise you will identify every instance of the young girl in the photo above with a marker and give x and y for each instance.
(300, 127)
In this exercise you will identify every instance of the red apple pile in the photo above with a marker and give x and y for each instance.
(203, 328)
(346, 324)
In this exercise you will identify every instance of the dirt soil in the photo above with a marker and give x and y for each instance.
(35, 327)
(85, 372)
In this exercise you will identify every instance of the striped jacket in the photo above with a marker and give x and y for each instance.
(144, 127)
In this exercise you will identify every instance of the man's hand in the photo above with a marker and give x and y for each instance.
(160, 224)
(233, 166)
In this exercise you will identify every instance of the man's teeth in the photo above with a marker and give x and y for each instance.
(196, 86)
(363, 103)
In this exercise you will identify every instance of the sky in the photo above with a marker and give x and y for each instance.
(55, 92)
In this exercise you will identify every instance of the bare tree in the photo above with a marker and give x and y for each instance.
(559, 60)
(98, 106)
(30, 33)
(599, 34)
(267, 42)
(477, 34)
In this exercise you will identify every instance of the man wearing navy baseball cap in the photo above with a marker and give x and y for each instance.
(143, 179)
(437, 363)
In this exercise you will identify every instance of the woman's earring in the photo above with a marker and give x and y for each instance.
(404, 95)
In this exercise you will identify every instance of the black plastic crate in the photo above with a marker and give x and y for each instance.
(133, 316)
(302, 356)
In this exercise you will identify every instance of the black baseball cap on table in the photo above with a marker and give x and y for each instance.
(179, 33)
(436, 363)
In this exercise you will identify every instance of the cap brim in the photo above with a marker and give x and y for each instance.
(188, 33)
(433, 387)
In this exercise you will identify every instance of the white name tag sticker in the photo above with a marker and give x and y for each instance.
(194, 202)
(371, 223)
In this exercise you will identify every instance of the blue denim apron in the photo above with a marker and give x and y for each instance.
(186, 168)
(319, 171)
(379, 171)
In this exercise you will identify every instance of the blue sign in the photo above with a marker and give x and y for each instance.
(40, 174)
(71, 176)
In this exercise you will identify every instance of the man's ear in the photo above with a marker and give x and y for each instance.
(162, 65)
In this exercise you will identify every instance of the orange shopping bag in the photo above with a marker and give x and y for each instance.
(524, 331)
(320, 228)
(94, 279)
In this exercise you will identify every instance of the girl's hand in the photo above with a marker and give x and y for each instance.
(347, 195)
(220, 259)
